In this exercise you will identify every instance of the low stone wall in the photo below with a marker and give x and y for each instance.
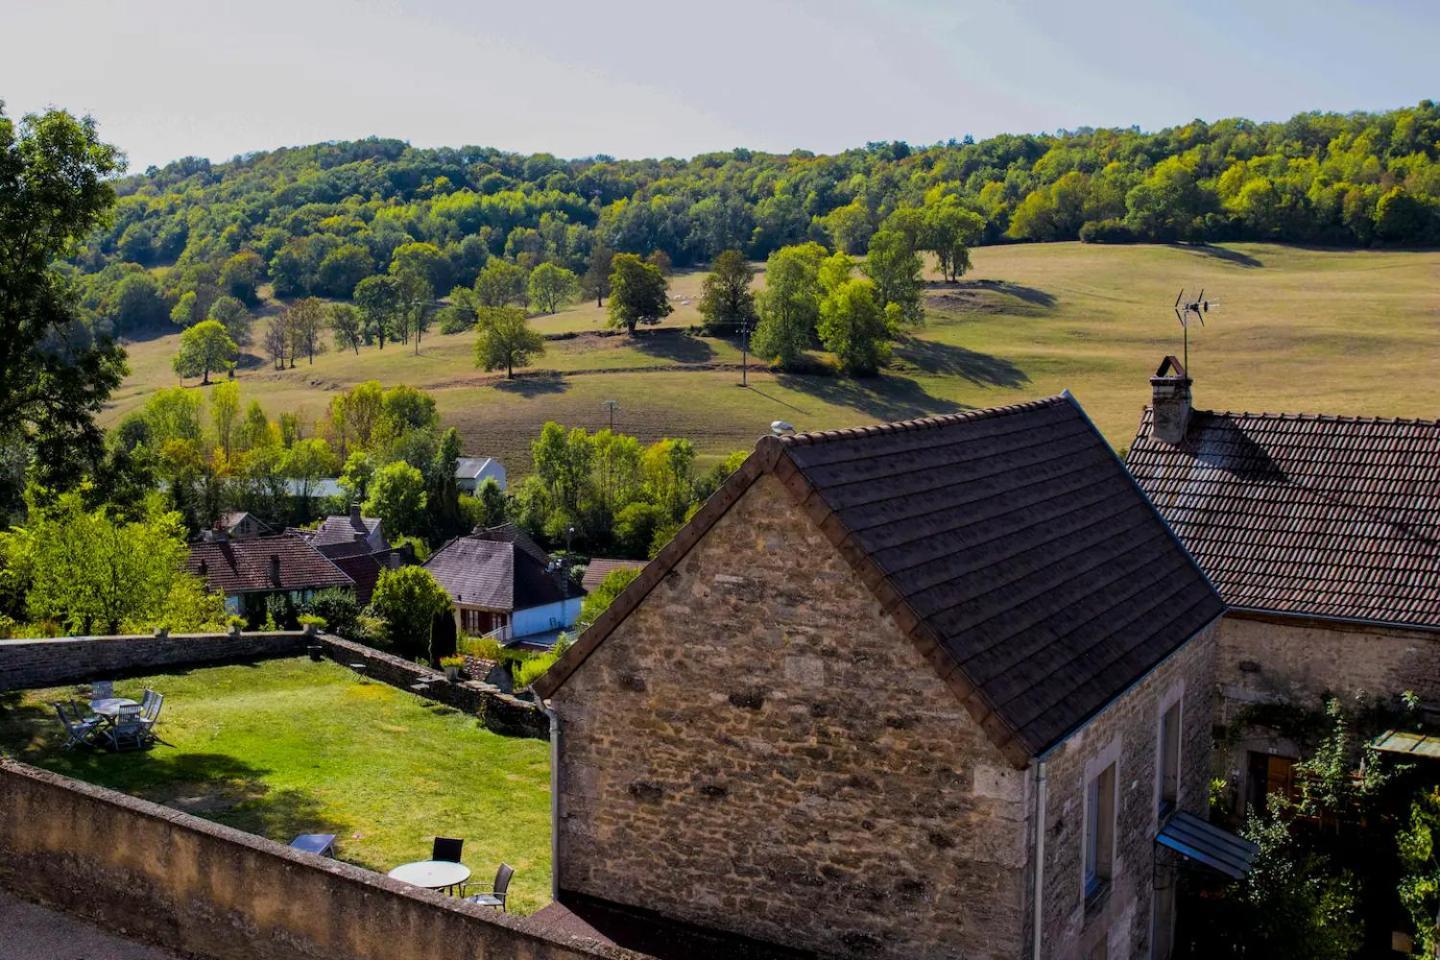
(500, 711)
(205, 890)
(27, 664)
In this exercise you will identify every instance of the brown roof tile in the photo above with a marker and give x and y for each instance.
(1335, 517)
(601, 567)
(246, 566)
(1010, 544)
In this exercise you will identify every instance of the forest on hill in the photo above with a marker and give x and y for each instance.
(318, 220)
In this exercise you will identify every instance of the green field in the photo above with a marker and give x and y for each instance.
(286, 747)
(1298, 329)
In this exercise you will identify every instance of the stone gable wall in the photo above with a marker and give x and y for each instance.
(758, 748)
(1127, 731)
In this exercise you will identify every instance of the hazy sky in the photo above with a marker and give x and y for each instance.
(166, 78)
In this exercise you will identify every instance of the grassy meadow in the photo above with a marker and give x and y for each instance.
(1297, 329)
(286, 747)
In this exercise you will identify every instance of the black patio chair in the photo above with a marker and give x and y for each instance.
(447, 849)
(496, 896)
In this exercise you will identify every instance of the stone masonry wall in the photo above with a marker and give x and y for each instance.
(1299, 662)
(28, 664)
(757, 748)
(1128, 732)
(207, 891)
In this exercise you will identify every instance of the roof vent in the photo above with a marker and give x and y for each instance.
(782, 428)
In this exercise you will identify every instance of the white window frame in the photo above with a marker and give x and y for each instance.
(1174, 698)
(1098, 867)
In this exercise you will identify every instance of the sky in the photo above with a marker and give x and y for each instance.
(633, 78)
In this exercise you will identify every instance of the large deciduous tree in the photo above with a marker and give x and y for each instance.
(348, 326)
(596, 282)
(637, 293)
(305, 322)
(506, 339)
(726, 300)
(894, 267)
(500, 284)
(551, 287)
(789, 304)
(203, 348)
(853, 325)
(408, 600)
(397, 497)
(379, 301)
(55, 371)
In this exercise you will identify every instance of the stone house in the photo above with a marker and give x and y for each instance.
(924, 689)
(250, 571)
(502, 582)
(1322, 534)
(357, 545)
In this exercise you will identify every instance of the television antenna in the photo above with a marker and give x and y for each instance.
(1186, 310)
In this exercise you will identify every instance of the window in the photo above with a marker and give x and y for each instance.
(1168, 765)
(1269, 774)
(1099, 831)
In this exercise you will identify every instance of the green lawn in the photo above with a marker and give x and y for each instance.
(1298, 329)
(290, 746)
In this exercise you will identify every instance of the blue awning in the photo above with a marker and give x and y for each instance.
(1205, 843)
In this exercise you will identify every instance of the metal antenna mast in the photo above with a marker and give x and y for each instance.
(1183, 312)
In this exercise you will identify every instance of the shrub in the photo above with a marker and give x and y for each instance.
(484, 648)
(604, 594)
(635, 527)
(310, 620)
(338, 610)
(453, 661)
(1107, 231)
(528, 671)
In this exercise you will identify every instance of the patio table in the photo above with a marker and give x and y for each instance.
(431, 874)
(110, 706)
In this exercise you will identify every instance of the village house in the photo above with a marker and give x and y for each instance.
(357, 545)
(251, 571)
(1322, 534)
(940, 688)
(471, 472)
(601, 567)
(239, 524)
(502, 582)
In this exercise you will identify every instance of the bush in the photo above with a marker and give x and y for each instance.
(338, 610)
(635, 527)
(605, 593)
(1107, 231)
(310, 620)
(528, 671)
(484, 648)
(456, 319)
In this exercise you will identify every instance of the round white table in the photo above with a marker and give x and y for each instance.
(431, 874)
(110, 706)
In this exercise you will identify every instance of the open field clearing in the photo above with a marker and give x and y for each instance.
(1298, 329)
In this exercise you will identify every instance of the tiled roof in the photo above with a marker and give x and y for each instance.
(512, 533)
(601, 567)
(494, 574)
(346, 529)
(1009, 544)
(246, 566)
(1308, 515)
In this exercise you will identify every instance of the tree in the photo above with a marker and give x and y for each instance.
(397, 497)
(342, 269)
(240, 276)
(423, 260)
(184, 313)
(597, 601)
(379, 301)
(949, 232)
(92, 571)
(348, 326)
(500, 283)
(506, 339)
(596, 282)
(136, 303)
(417, 306)
(551, 287)
(1419, 845)
(853, 326)
(726, 300)
(637, 293)
(230, 313)
(355, 477)
(205, 347)
(278, 339)
(789, 304)
(849, 227)
(894, 267)
(305, 323)
(635, 527)
(409, 599)
(225, 413)
(308, 461)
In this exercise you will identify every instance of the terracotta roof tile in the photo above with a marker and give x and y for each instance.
(1313, 515)
(246, 566)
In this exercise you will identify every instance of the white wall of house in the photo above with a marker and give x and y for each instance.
(492, 469)
(551, 616)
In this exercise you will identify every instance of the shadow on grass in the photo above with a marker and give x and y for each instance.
(534, 384)
(884, 398)
(1221, 253)
(989, 296)
(928, 356)
(676, 345)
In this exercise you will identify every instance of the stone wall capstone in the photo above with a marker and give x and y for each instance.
(29, 664)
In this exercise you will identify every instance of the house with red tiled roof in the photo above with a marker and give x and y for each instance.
(252, 570)
(930, 689)
(1322, 534)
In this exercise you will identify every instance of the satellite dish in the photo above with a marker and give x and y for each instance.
(781, 428)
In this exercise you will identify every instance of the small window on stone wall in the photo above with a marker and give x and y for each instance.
(1168, 764)
(1100, 831)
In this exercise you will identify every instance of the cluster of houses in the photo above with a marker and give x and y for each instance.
(500, 581)
(948, 687)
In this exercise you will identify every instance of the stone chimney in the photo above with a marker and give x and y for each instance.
(275, 569)
(1170, 391)
(355, 510)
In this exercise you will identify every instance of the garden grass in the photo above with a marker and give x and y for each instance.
(284, 747)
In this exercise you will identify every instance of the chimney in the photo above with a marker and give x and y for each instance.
(1170, 391)
(275, 569)
(355, 510)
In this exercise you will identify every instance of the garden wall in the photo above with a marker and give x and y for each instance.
(27, 664)
(209, 891)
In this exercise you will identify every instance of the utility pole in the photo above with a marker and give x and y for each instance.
(744, 353)
(612, 406)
